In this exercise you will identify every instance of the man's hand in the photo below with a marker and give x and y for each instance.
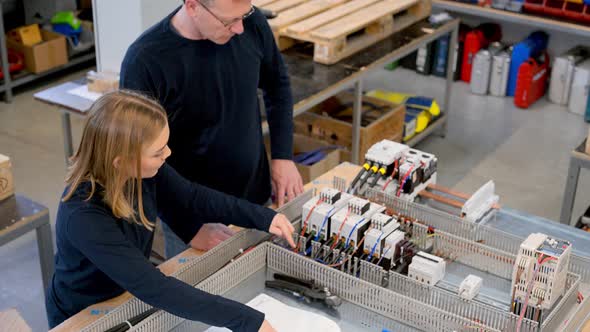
(210, 235)
(285, 180)
(281, 226)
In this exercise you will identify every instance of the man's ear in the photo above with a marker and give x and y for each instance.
(117, 162)
(191, 7)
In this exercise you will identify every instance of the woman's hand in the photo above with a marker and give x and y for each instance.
(265, 327)
(281, 226)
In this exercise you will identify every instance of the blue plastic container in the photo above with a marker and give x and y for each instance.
(534, 44)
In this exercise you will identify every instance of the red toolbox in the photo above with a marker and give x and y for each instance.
(531, 82)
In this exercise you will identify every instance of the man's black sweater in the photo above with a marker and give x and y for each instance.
(210, 94)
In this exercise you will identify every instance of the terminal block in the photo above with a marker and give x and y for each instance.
(349, 224)
(382, 226)
(318, 211)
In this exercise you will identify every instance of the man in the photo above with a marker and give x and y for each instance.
(204, 63)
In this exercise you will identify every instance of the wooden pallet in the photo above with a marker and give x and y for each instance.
(340, 28)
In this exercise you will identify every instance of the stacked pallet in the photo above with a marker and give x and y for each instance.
(340, 28)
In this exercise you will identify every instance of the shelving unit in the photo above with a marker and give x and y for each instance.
(12, 81)
(312, 83)
(512, 17)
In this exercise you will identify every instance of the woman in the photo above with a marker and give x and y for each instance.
(117, 186)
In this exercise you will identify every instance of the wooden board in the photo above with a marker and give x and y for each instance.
(360, 19)
(261, 3)
(302, 12)
(340, 28)
(282, 5)
(301, 29)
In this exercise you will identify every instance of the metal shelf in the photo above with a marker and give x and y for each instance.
(12, 81)
(428, 131)
(519, 18)
(26, 77)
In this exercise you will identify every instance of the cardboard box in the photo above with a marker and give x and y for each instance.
(588, 143)
(50, 53)
(6, 179)
(27, 35)
(386, 122)
(309, 173)
(302, 144)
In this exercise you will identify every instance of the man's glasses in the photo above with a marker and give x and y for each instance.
(232, 22)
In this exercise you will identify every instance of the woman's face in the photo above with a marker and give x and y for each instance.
(154, 155)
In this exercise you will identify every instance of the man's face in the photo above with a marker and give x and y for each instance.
(219, 20)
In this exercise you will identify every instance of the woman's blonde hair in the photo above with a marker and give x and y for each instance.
(119, 125)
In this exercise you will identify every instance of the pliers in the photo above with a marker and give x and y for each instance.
(306, 289)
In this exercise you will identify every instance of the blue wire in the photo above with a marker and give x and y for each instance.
(383, 255)
(308, 251)
(352, 231)
(374, 247)
(323, 224)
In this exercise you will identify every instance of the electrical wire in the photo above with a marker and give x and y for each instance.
(382, 170)
(354, 252)
(392, 175)
(323, 224)
(373, 169)
(540, 262)
(374, 246)
(423, 239)
(340, 229)
(383, 255)
(320, 201)
(366, 167)
(406, 176)
(352, 231)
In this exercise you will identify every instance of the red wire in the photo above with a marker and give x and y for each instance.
(355, 250)
(320, 201)
(340, 230)
(540, 262)
(401, 185)
(391, 177)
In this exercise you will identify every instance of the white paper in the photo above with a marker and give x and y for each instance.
(284, 318)
(82, 91)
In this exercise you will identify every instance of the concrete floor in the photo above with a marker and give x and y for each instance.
(525, 152)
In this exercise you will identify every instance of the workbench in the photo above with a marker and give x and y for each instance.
(578, 159)
(513, 222)
(311, 83)
(18, 216)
